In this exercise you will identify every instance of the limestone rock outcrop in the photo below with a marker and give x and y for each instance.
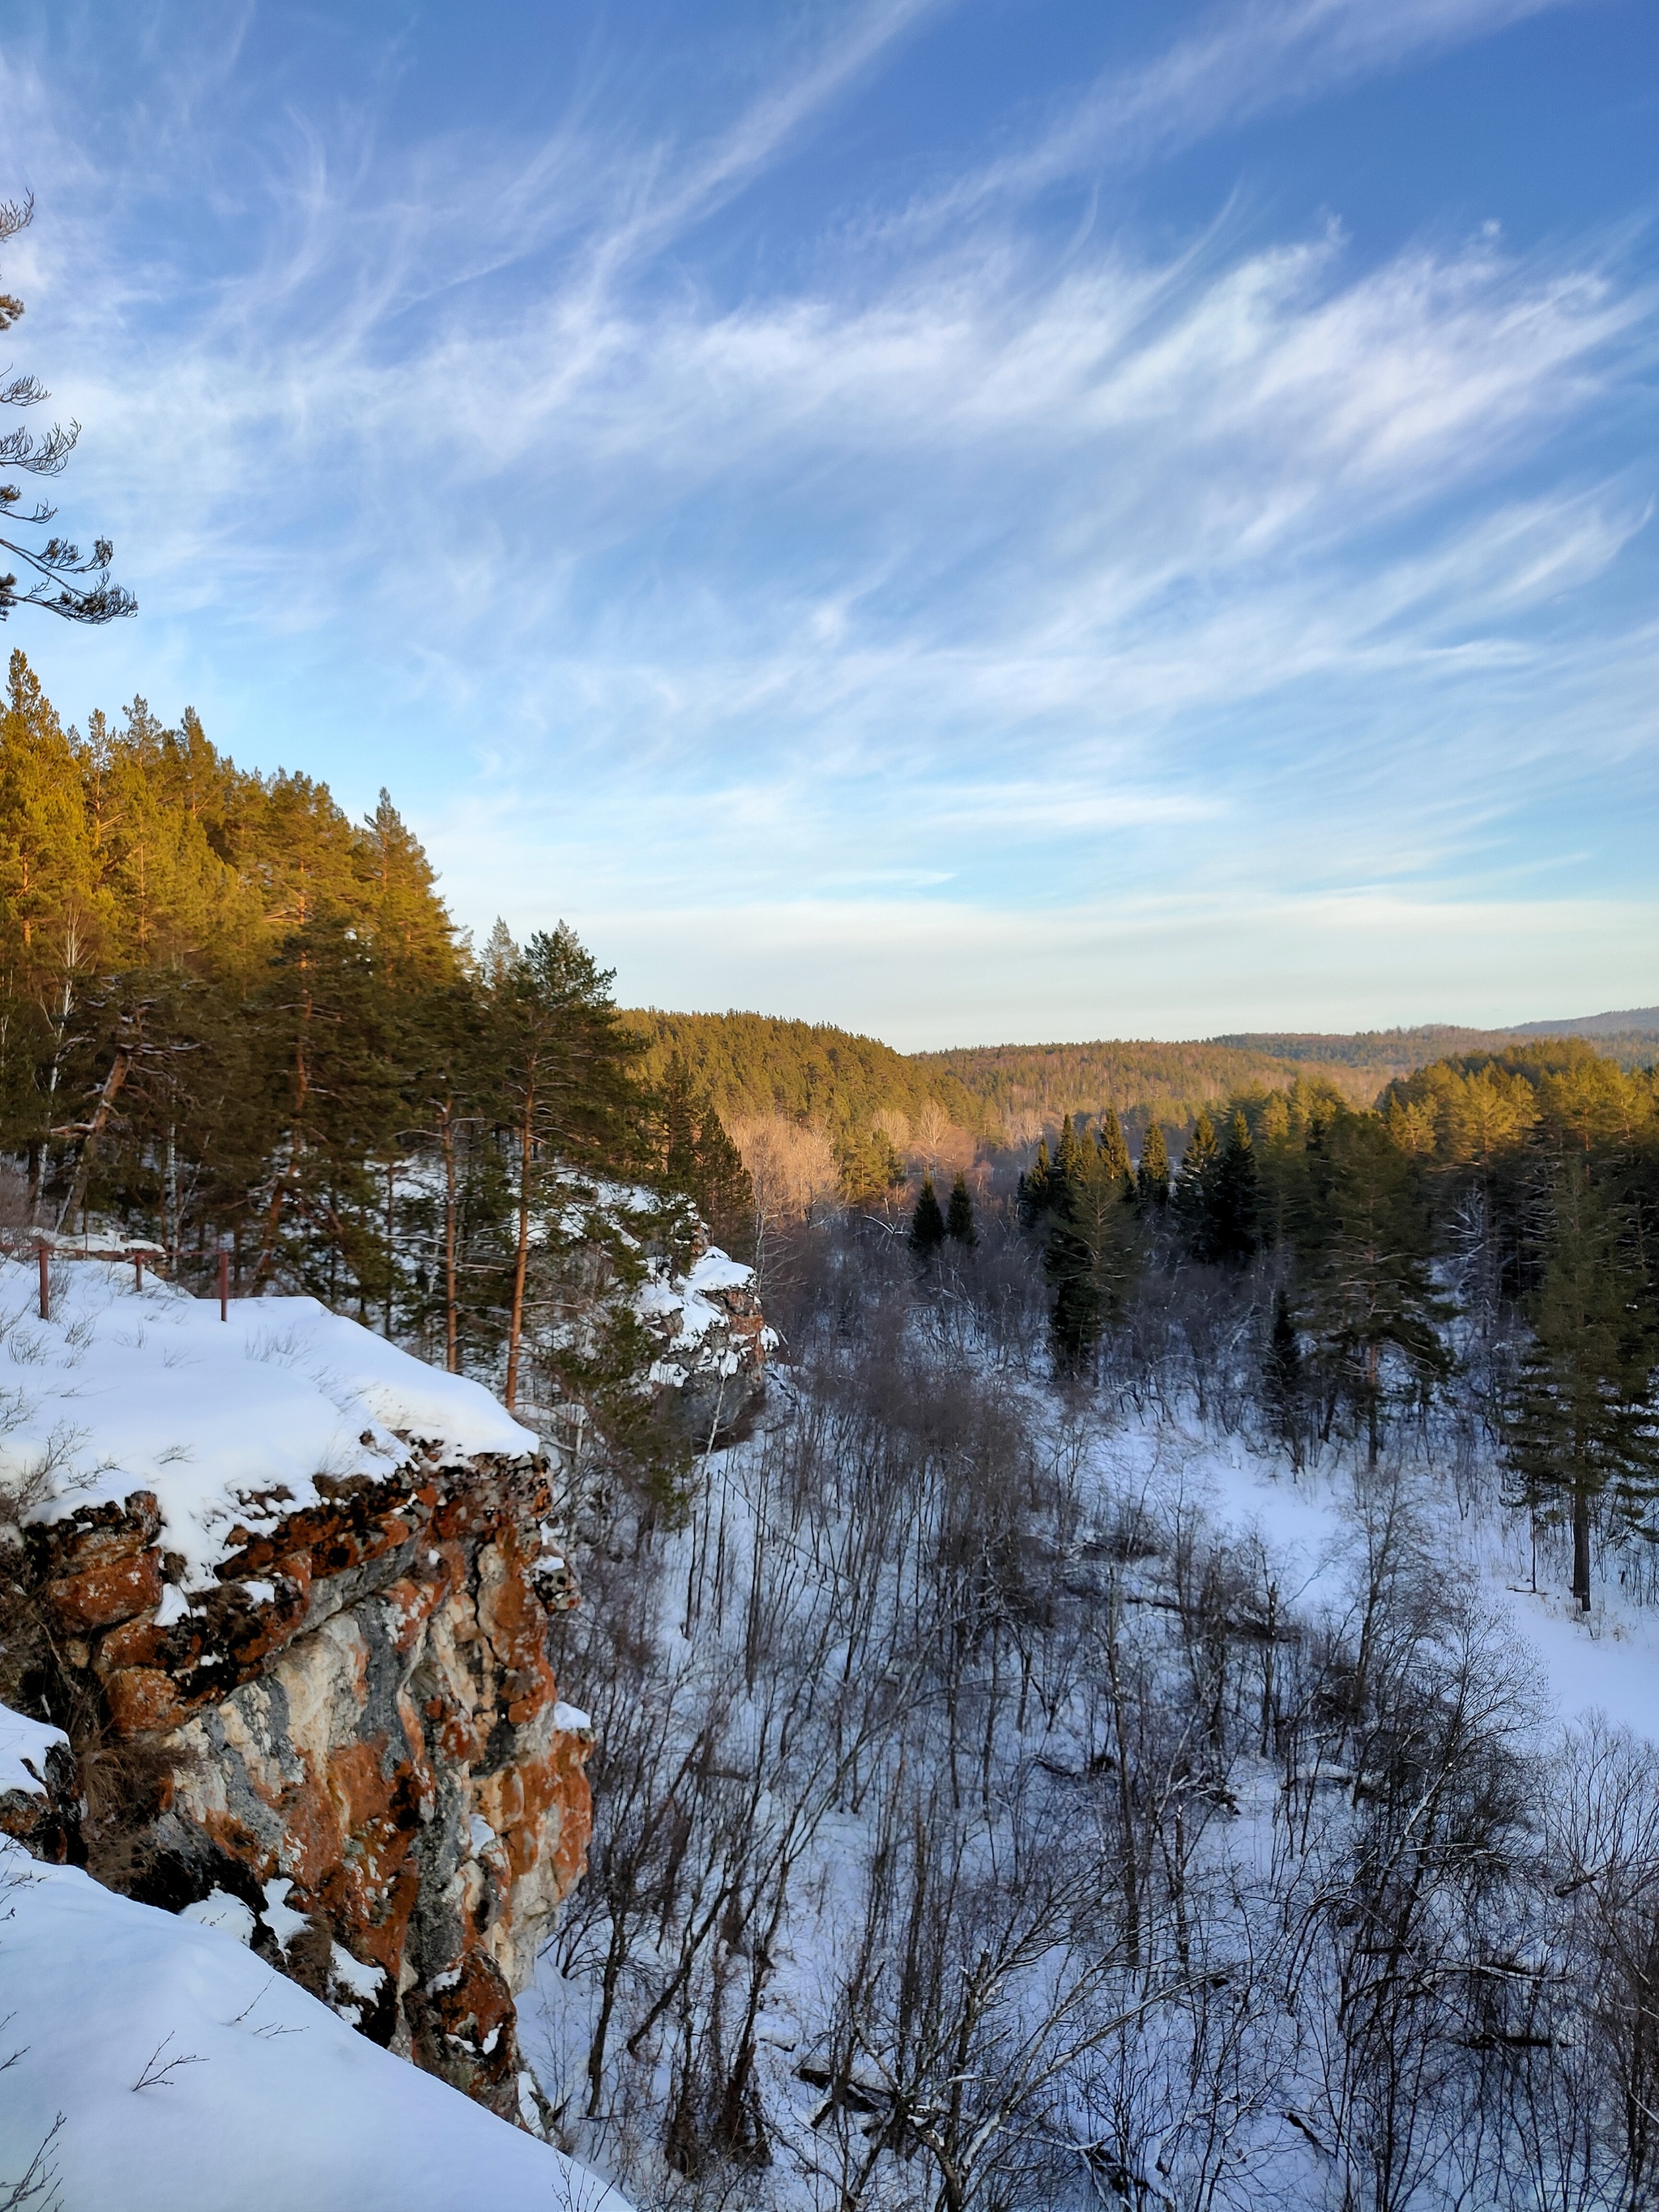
(288, 1591)
(360, 1760)
(712, 1340)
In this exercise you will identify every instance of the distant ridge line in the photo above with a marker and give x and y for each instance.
(865, 1095)
(1634, 1021)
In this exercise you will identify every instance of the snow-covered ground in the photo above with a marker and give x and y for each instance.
(1606, 1661)
(1309, 1525)
(153, 2061)
(152, 2064)
(227, 1422)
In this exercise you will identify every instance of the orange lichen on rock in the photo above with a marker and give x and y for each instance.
(358, 1725)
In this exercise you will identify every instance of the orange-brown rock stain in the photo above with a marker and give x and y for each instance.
(377, 1732)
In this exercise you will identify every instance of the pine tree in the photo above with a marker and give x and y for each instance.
(566, 1090)
(447, 1085)
(927, 1223)
(1038, 1185)
(1364, 1241)
(65, 583)
(1227, 1235)
(1115, 1152)
(1152, 1176)
(701, 1161)
(1282, 1379)
(411, 931)
(869, 1166)
(724, 1194)
(1581, 1428)
(1090, 1257)
(326, 1049)
(679, 1126)
(1194, 1190)
(1068, 1154)
(959, 1215)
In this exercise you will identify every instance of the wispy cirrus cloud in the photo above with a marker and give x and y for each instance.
(970, 566)
(1238, 65)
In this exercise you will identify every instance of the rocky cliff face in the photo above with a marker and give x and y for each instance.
(711, 1340)
(358, 1756)
(289, 1591)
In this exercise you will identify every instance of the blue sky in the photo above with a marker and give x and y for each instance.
(1013, 520)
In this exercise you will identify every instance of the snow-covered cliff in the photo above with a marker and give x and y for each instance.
(289, 1591)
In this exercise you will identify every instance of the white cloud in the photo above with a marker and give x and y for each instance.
(1241, 63)
(1234, 564)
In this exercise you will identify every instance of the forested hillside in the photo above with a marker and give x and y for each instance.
(232, 1019)
(868, 1100)
(1631, 1039)
(1172, 1679)
(1168, 1083)
(871, 1099)
(1528, 1179)
(1031, 1087)
(759, 1064)
(878, 1107)
(1382, 1054)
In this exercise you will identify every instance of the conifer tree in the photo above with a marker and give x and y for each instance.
(1227, 1236)
(959, 1215)
(1365, 1244)
(1068, 1153)
(409, 928)
(700, 1160)
(448, 1087)
(679, 1126)
(725, 1192)
(1282, 1379)
(327, 1054)
(1194, 1189)
(1090, 1257)
(65, 583)
(1152, 1176)
(1036, 1187)
(565, 1086)
(927, 1222)
(868, 1165)
(1581, 1429)
(1114, 1150)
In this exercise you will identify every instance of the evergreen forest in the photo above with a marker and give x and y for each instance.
(233, 1020)
(996, 1801)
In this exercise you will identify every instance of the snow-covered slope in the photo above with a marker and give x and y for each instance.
(1604, 1661)
(161, 2067)
(228, 1422)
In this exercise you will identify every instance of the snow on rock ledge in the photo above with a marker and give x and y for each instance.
(612, 1251)
(39, 1803)
(226, 1425)
(711, 1339)
(253, 2093)
(302, 1585)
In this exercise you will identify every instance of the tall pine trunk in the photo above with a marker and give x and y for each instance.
(391, 1242)
(521, 1257)
(94, 1129)
(1580, 1542)
(290, 1179)
(451, 1310)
